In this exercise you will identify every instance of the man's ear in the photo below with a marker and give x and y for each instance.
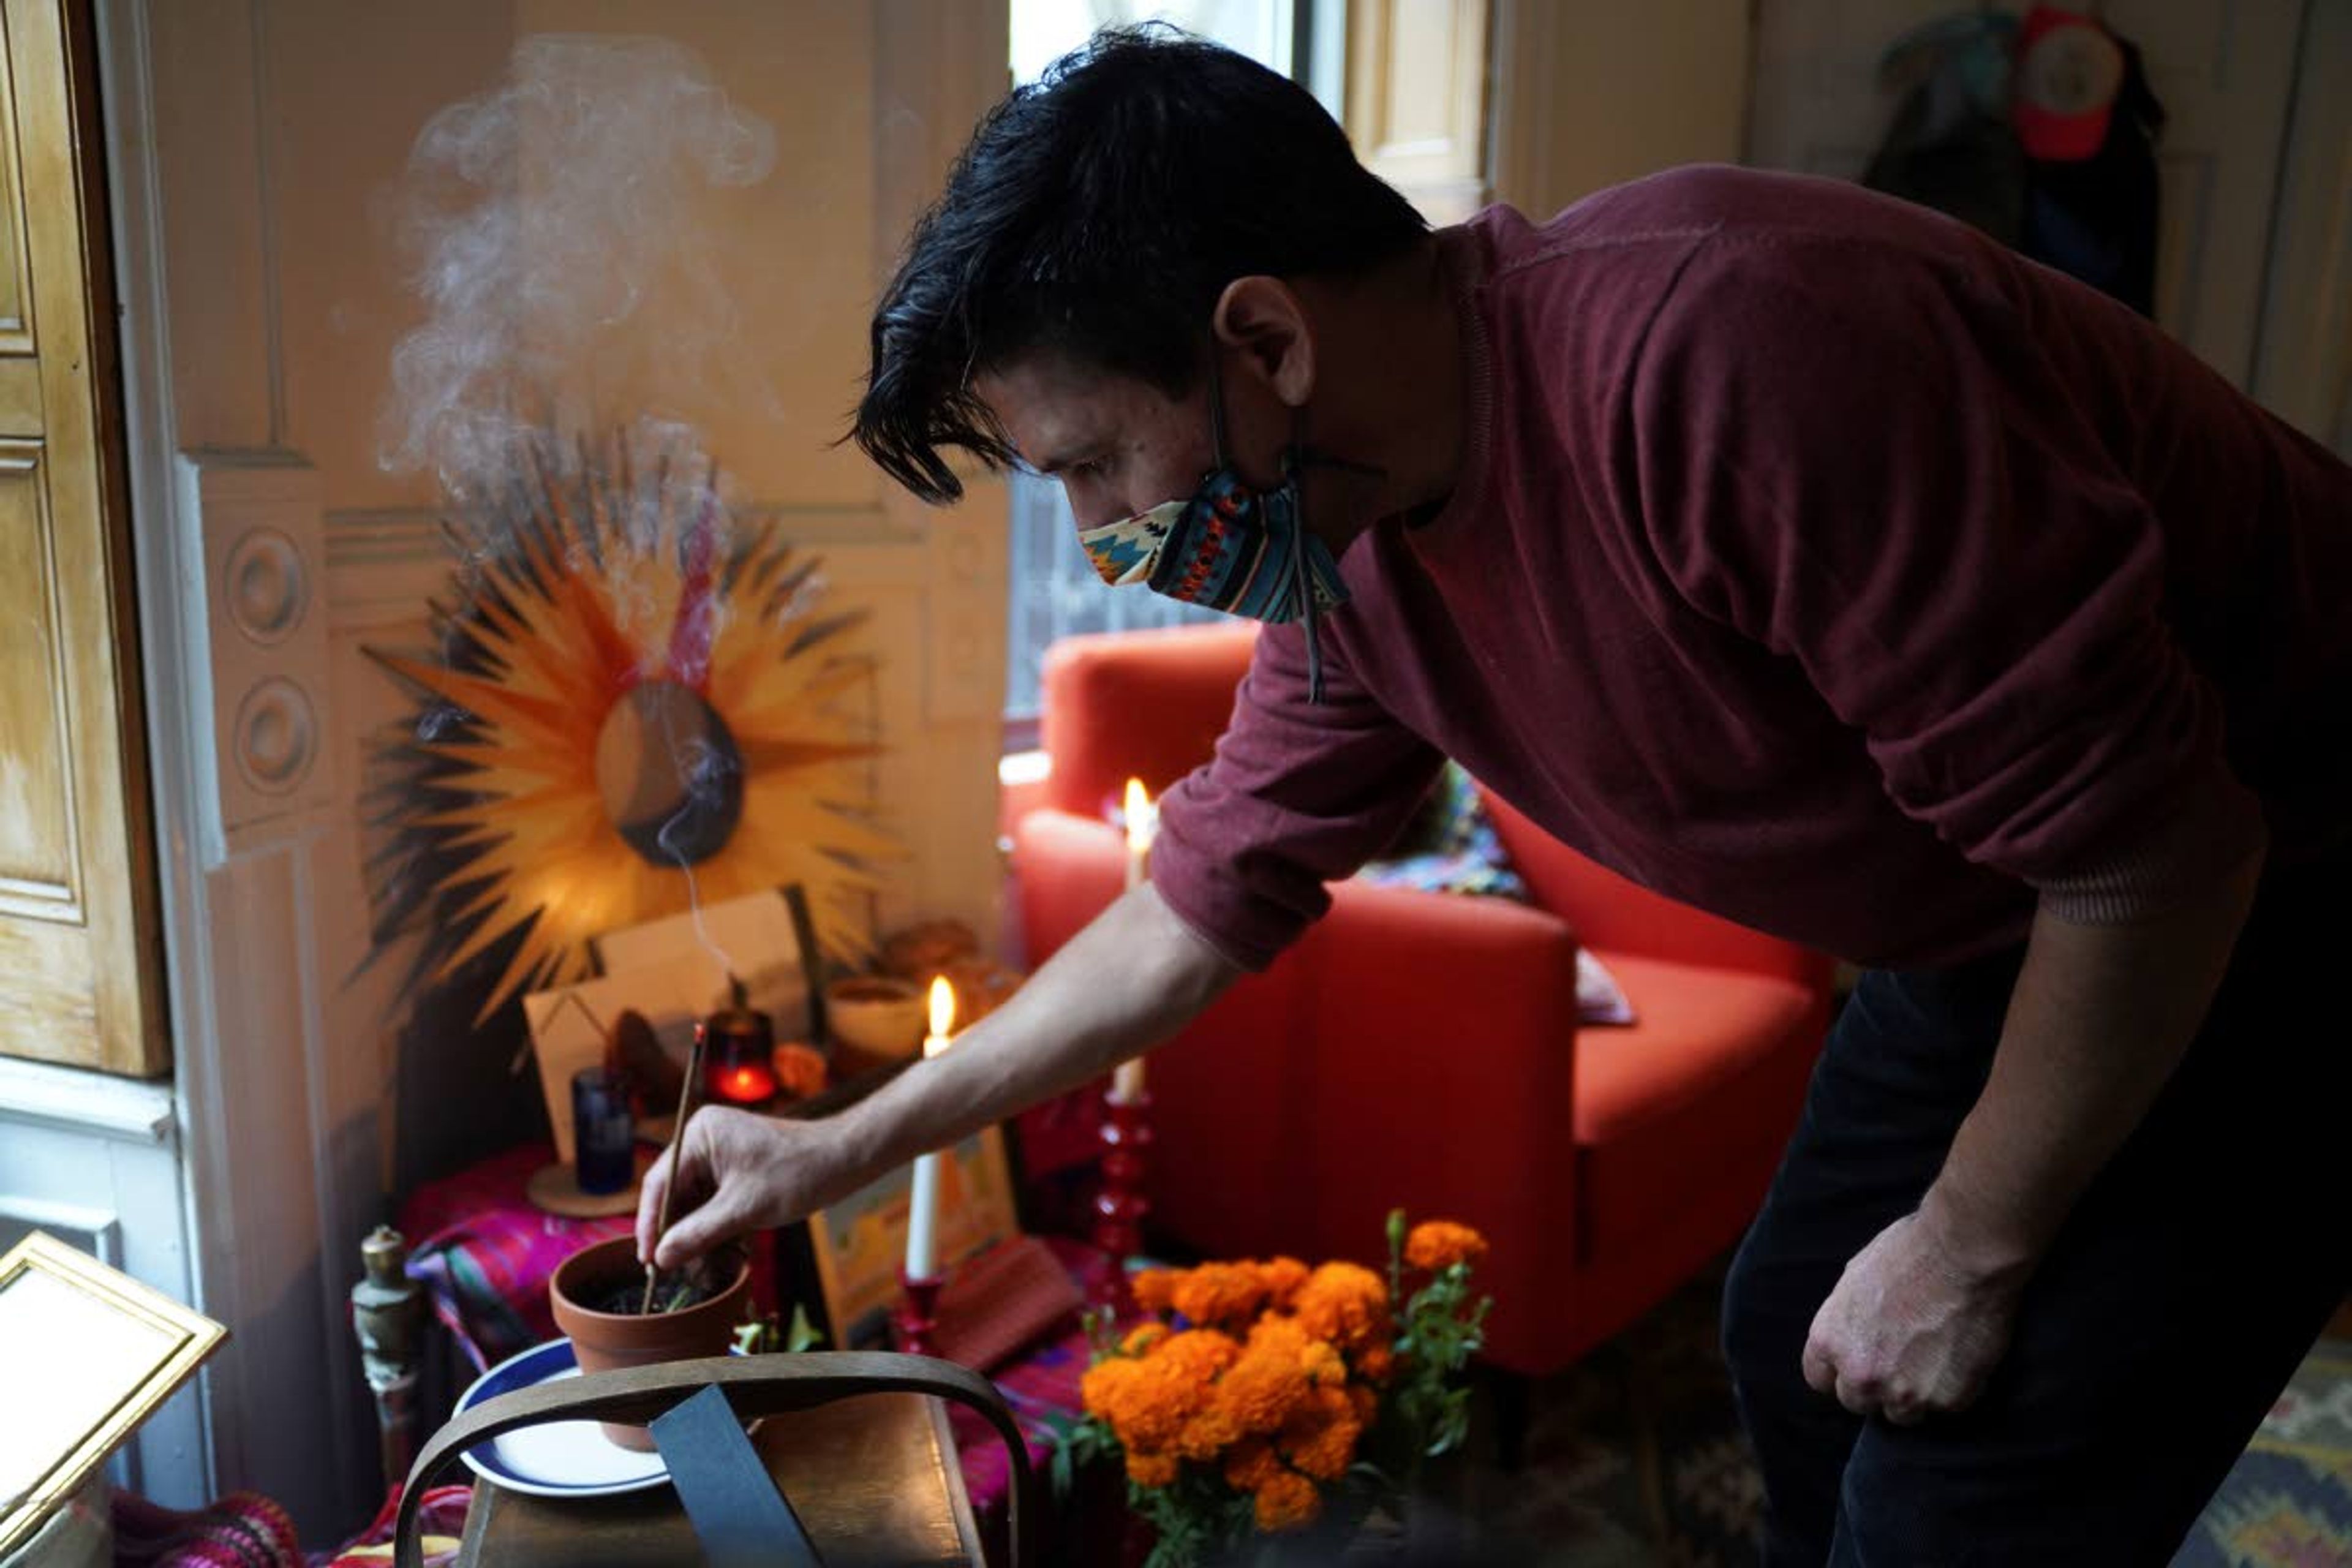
(1261, 318)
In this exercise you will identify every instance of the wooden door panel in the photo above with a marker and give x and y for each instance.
(80, 968)
(16, 292)
(38, 852)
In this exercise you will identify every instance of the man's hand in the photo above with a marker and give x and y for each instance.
(733, 1171)
(1910, 1330)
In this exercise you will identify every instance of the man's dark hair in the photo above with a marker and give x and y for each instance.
(1099, 213)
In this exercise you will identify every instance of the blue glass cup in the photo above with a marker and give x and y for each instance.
(602, 1138)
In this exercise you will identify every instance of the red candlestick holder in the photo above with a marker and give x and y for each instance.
(1119, 1204)
(918, 1311)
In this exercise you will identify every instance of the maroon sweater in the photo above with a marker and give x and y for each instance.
(1818, 563)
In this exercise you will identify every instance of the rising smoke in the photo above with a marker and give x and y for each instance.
(560, 239)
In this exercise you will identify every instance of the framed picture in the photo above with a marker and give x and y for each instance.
(750, 939)
(87, 1354)
(855, 1248)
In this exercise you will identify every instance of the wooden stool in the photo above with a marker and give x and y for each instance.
(857, 1442)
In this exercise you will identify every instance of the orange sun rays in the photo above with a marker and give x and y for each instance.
(577, 608)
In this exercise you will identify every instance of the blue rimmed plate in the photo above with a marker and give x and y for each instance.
(554, 1459)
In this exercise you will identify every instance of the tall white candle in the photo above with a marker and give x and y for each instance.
(1126, 1082)
(923, 1197)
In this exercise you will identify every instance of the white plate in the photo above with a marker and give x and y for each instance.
(554, 1459)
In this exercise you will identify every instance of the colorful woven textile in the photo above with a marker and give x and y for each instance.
(484, 1251)
(1038, 1386)
(243, 1530)
(440, 1521)
(1449, 846)
(2288, 1503)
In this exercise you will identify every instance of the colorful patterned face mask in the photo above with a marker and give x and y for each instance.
(1230, 547)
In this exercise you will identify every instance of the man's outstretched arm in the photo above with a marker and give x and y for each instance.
(1134, 976)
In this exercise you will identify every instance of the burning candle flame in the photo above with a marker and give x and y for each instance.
(1138, 813)
(942, 1016)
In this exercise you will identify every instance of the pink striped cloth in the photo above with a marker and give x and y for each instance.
(243, 1530)
(442, 1514)
(484, 1252)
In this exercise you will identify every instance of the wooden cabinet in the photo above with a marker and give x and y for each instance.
(78, 962)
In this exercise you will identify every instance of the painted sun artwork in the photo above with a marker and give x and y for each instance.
(636, 709)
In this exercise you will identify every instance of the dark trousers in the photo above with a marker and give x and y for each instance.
(2186, 1284)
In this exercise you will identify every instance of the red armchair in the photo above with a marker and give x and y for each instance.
(1423, 1048)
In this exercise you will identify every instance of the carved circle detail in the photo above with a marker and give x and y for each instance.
(265, 586)
(277, 736)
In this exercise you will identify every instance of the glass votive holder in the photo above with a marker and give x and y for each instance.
(602, 1138)
(738, 1058)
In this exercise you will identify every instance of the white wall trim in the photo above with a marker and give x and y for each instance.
(75, 1101)
(160, 567)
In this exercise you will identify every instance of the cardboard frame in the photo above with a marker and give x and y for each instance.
(98, 1352)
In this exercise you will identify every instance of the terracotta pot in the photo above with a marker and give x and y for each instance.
(607, 1341)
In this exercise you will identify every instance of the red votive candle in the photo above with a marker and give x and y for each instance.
(738, 1069)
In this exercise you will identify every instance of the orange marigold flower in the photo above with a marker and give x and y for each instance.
(1148, 1470)
(1320, 1362)
(1251, 1464)
(1375, 1363)
(1283, 1276)
(1287, 1501)
(1149, 1399)
(1367, 1402)
(1196, 1355)
(1218, 1293)
(1320, 1435)
(1436, 1244)
(1269, 1380)
(1143, 1337)
(1345, 1303)
(1213, 1429)
(1133, 1396)
(1155, 1289)
(1108, 1382)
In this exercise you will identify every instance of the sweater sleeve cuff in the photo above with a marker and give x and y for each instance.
(1251, 952)
(2198, 846)
(1244, 929)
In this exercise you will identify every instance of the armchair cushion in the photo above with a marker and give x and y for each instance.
(1666, 1108)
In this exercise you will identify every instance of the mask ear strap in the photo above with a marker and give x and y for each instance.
(1216, 406)
(1294, 460)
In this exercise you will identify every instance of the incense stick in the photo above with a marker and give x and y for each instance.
(677, 1146)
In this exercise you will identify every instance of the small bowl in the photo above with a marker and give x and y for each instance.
(877, 1016)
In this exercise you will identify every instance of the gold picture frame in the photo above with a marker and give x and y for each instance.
(87, 1354)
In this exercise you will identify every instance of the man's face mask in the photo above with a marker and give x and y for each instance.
(1229, 547)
